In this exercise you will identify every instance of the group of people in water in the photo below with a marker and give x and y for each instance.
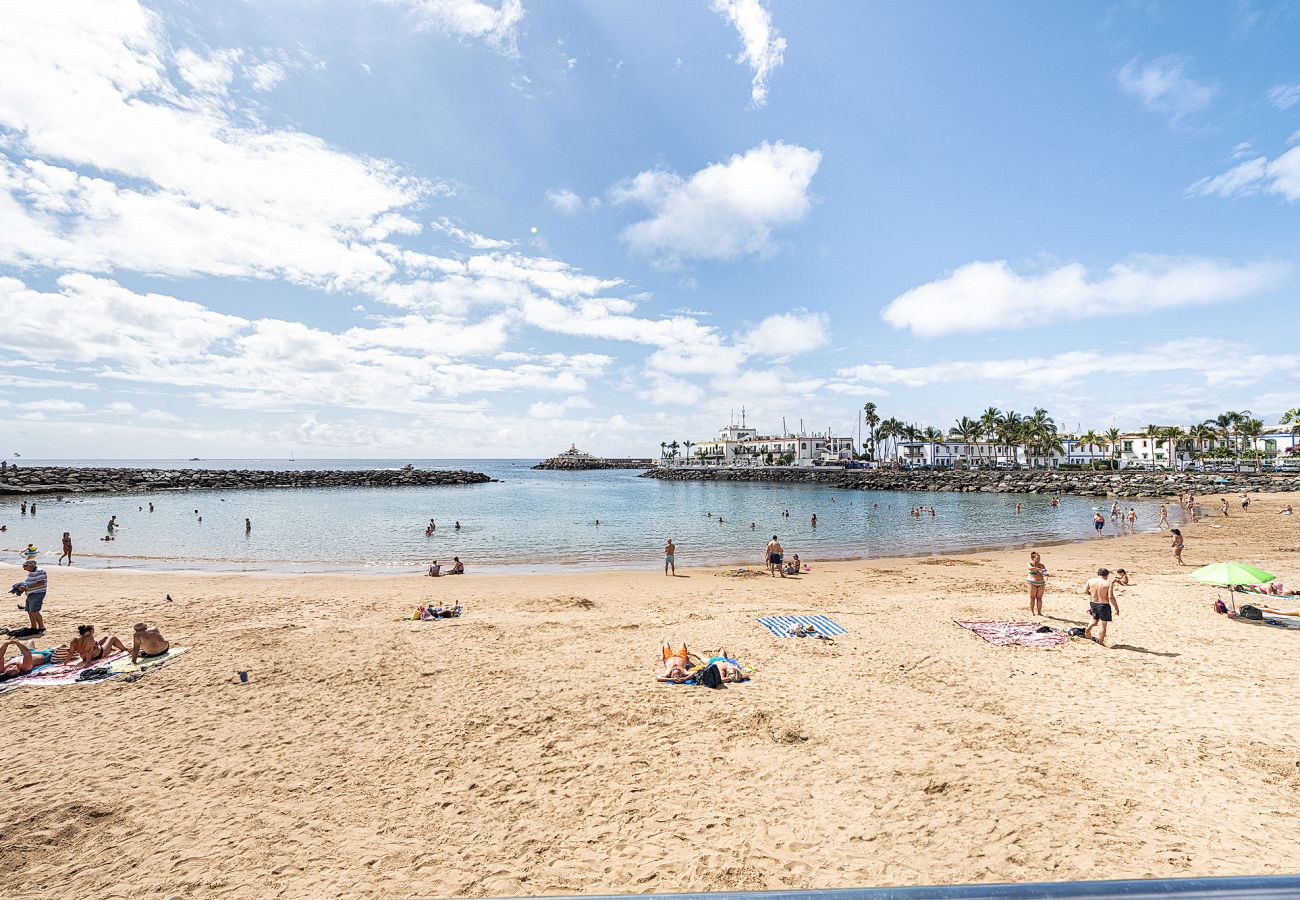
(433, 526)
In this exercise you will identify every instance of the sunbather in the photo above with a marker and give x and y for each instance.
(1274, 611)
(90, 648)
(728, 667)
(147, 642)
(439, 612)
(21, 665)
(678, 665)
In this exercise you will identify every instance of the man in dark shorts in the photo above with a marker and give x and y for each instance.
(775, 552)
(1101, 604)
(148, 642)
(1098, 523)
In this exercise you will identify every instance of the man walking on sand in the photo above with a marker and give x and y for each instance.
(670, 557)
(774, 555)
(1101, 603)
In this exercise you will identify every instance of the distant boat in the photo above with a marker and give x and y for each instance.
(195, 459)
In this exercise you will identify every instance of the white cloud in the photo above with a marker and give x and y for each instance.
(207, 73)
(1165, 85)
(471, 239)
(120, 406)
(787, 334)
(989, 295)
(1258, 175)
(564, 200)
(183, 184)
(762, 47)
(725, 210)
(54, 406)
(1218, 362)
(495, 25)
(548, 409)
(264, 76)
(227, 361)
(1284, 96)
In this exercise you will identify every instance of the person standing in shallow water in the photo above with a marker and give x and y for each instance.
(67, 549)
(670, 557)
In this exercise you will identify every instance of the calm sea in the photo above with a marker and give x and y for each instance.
(532, 520)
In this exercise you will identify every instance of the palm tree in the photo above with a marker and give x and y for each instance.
(1292, 417)
(673, 447)
(989, 423)
(1009, 429)
(1039, 430)
(1152, 433)
(871, 419)
(663, 450)
(1173, 435)
(1092, 440)
(1251, 429)
(935, 437)
(688, 445)
(1113, 440)
(966, 430)
(890, 430)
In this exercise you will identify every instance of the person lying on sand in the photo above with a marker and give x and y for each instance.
(147, 642)
(28, 659)
(678, 665)
(89, 648)
(439, 612)
(728, 667)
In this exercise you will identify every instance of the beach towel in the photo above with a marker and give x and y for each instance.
(58, 674)
(781, 625)
(1006, 634)
(1291, 622)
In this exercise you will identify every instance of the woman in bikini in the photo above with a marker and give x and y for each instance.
(1037, 582)
(91, 649)
(1177, 545)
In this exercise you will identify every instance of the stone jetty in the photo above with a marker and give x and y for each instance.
(560, 463)
(1124, 483)
(79, 480)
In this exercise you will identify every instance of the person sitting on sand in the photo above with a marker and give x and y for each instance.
(435, 570)
(90, 648)
(678, 665)
(1121, 577)
(1286, 510)
(457, 567)
(148, 642)
(23, 664)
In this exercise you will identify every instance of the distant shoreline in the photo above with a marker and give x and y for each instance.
(60, 480)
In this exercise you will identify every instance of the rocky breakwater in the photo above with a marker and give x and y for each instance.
(1127, 483)
(569, 463)
(70, 480)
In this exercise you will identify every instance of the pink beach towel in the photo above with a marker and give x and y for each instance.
(1025, 634)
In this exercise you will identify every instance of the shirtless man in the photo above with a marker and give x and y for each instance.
(774, 554)
(670, 557)
(1101, 603)
(148, 642)
(1098, 522)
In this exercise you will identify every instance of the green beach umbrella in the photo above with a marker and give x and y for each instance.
(1230, 574)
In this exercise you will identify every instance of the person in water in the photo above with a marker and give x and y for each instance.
(90, 648)
(147, 642)
(670, 557)
(67, 549)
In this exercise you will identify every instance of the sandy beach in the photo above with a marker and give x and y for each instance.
(526, 749)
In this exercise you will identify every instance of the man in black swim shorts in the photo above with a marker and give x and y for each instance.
(1101, 603)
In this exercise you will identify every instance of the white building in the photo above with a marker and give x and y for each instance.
(740, 445)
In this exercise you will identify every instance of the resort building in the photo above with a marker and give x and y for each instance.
(741, 445)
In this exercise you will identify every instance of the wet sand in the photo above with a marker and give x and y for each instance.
(525, 748)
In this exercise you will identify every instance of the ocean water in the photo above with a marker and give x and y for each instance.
(533, 520)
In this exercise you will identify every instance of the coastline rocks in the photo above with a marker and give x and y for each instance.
(570, 463)
(64, 480)
(1128, 483)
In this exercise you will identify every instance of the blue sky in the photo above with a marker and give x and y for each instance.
(462, 228)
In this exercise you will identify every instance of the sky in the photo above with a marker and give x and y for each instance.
(461, 228)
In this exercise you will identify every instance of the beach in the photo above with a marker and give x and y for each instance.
(525, 748)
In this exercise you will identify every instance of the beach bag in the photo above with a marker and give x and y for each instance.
(1252, 613)
(1076, 632)
(711, 677)
(1220, 607)
(94, 674)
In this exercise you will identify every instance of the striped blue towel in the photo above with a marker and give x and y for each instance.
(781, 625)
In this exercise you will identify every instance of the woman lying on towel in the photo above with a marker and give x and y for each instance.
(23, 664)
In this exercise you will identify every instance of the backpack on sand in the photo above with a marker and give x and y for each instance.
(1251, 612)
